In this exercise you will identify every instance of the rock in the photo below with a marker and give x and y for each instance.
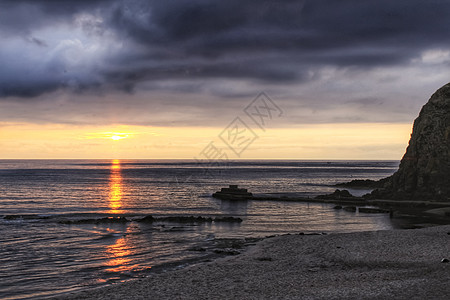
(182, 219)
(424, 171)
(445, 260)
(373, 210)
(147, 219)
(337, 194)
(105, 220)
(350, 208)
(228, 219)
(343, 194)
(361, 183)
(337, 207)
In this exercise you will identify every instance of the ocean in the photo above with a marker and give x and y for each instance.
(50, 242)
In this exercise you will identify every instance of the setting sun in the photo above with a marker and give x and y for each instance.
(118, 137)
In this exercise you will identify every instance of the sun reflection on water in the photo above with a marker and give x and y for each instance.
(115, 187)
(119, 256)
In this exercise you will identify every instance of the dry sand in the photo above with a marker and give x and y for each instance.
(398, 264)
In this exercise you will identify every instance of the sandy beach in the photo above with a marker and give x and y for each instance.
(397, 264)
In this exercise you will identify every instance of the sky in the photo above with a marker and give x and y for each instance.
(329, 79)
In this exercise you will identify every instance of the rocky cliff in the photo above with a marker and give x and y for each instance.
(424, 171)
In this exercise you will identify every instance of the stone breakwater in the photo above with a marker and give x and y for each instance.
(151, 219)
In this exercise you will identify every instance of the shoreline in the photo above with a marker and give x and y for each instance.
(400, 264)
(357, 201)
(431, 212)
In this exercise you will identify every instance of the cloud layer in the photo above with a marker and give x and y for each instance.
(340, 60)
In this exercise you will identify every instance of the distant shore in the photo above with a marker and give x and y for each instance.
(395, 264)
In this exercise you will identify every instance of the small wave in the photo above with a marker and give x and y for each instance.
(25, 217)
(109, 236)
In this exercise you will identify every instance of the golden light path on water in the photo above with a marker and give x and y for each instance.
(120, 253)
(115, 187)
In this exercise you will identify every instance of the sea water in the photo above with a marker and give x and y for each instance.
(46, 248)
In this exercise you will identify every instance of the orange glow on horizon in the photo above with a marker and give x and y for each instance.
(111, 135)
(308, 141)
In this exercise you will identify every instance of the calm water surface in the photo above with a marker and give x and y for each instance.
(40, 254)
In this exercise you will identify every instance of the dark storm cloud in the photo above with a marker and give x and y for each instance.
(212, 28)
(265, 41)
(23, 16)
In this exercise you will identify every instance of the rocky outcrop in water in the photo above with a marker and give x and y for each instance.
(337, 195)
(424, 171)
(364, 184)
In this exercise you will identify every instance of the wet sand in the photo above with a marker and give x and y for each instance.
(397, 264)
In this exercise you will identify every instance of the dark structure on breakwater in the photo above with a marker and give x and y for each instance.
(233, 193)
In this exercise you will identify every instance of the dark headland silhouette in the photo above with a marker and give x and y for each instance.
(424, 172)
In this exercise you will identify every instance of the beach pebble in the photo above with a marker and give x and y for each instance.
(445, 260)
